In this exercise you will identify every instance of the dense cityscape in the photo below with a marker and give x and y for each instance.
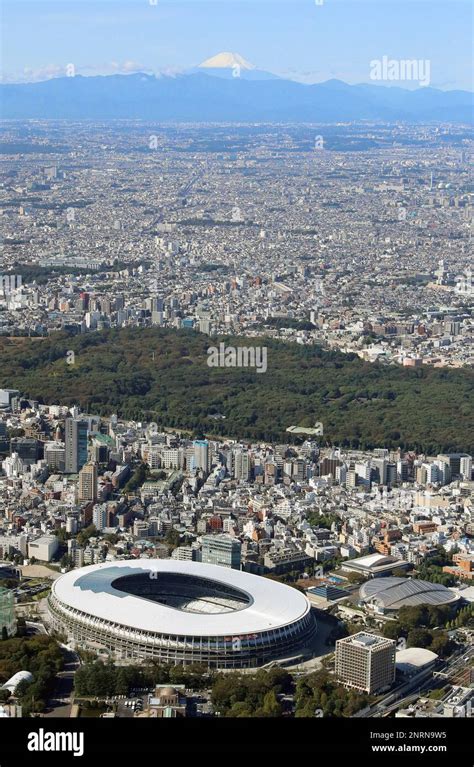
(78, 489)
(360, 251)
(355, 238)
(236, 380)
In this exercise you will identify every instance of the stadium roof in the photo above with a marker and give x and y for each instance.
(374, 564)
(373, 559)
(14, 681)
(90, 590)
(393, 593)
(415, 657)
(465, 593)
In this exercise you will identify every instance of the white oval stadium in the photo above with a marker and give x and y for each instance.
(181, 612)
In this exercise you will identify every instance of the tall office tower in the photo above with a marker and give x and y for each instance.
(119, 303)
(466, 467)
(299, 469)
(366, 662)
(71, 524)
(421, 474)
(3, 436)
(201, 455)
(157, 304)
(88, 482)
(280, 455)
(341, 474)
(241, 465)
(391, 474)
(99, 516)
(364, 472)
(444, 472)
(221, 550)
(76, 445)
(271, 473)
(403, 470)
(55, 454)
(379, 471)
(157, 318)
(351, 478)
(433, 474)
(105, 305)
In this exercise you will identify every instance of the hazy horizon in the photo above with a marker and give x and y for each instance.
(309, 41)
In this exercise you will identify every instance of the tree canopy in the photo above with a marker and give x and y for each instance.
(361, 404)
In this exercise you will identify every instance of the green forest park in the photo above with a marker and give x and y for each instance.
(161, 375)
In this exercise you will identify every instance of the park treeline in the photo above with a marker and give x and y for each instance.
(421, 626)
(235, 694)
(42, 657)
(95, 678)
(162, 375)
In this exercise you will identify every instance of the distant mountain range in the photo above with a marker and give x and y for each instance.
(226, 88)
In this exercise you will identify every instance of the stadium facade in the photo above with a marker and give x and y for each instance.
(181, 612)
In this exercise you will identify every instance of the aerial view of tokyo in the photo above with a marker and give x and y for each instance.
(236, 380)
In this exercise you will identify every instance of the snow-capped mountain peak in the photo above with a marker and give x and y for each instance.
(226, 61)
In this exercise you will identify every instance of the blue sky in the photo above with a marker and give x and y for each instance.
(295, 38)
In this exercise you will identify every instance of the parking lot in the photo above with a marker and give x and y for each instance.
(127, 705)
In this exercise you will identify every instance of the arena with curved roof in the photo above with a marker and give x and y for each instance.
(389, 594)
(181, 612)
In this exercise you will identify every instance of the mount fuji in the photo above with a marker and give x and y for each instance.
(227, 88)
(228, 65)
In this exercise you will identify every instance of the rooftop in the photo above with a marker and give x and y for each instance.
(91, 590)
(393, 593)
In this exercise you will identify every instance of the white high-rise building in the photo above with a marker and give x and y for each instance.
(201, 455)
(99, 516)
(172, 458)
(363, 471)
(366, 662)
(241, 465)
(466, 467)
